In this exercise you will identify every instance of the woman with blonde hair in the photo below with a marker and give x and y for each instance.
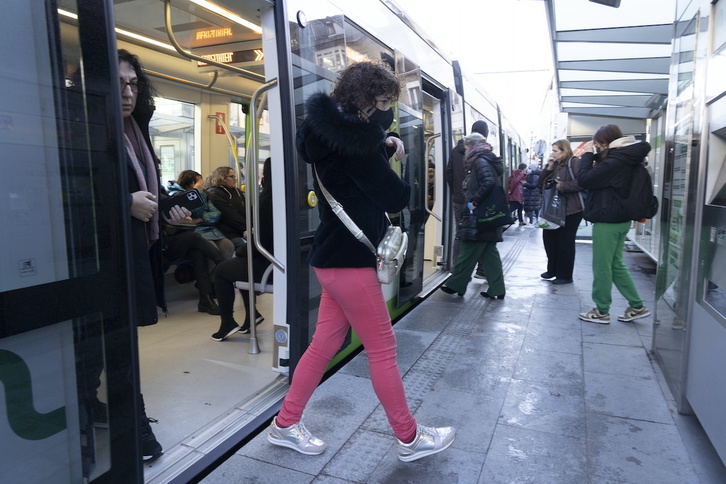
(561, 169)
(228, 199)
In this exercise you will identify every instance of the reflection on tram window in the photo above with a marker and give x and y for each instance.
(715, 293)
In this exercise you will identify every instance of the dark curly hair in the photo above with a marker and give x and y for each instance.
(145, 97)
(187, 179)
(360, 83)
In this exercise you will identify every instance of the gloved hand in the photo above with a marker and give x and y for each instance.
(471, 206)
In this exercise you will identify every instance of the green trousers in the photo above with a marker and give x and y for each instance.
(608, 267)
(469, 253)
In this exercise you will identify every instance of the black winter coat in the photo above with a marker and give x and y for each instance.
(455, 172)
(485, 173)
(231, 203)
(532, 191)
(352, 161)
(147, 261)
(608, 181)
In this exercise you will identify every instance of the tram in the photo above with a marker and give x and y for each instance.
(231, 79)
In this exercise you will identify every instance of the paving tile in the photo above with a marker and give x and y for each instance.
(627, 451)
(520, 455)
(243, 469)
(545, 406)
(615, 359)
(549, 366)
(359, 457)
(450, 466)
(553, 338)
(638, 398)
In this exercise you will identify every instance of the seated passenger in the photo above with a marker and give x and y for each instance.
(184, 243)
(206, 218)
(228, 199)
(235, 269)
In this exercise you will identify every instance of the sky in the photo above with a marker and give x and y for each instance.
(504, 44)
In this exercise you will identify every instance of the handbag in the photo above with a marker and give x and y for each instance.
(390, 251)
(554, 207)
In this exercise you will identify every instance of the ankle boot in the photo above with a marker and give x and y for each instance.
(246, 325)
(208, 305)
(150, 447)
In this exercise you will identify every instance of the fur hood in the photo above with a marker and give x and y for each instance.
(335, 131)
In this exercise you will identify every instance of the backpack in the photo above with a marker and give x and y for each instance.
(640, 204)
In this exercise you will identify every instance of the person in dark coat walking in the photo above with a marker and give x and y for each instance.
(484, 170)
(455, 174)
(344, 138)
(606, 176)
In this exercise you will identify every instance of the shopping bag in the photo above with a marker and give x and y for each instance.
(554, 207)
(494, 211)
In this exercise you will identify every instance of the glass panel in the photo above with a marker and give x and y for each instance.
(172, 134)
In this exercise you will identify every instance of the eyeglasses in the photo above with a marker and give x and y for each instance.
(134, 85)
(231, 176)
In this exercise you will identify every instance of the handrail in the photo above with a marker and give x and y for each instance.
(198, 84)
(429, 143)
(230, 137)
(252, 194)
(252, 167)
(170, 33)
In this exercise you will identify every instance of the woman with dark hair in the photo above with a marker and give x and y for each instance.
(137, 105)
(561, 169)
(344, 138)
(606, 176)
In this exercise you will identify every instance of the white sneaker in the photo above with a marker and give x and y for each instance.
(295, 437)
(595, 316)
(428, 441)
(631, 314)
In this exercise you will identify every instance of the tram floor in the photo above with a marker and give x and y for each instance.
(188, 379)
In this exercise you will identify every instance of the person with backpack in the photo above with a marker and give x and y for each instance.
(608, 177)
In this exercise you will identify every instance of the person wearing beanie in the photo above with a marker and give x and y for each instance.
(455, 174)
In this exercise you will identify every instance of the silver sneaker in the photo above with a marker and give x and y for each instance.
(428, 441)
(296, 437)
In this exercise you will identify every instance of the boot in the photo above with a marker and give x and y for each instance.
(208, 305)
(150, 447)
(227, 328)
(258, 318)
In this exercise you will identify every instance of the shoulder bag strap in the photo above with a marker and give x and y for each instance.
(572, 175)
(340, 213)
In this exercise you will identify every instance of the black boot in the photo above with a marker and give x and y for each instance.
(150, 447)
(258, 318)
(208, 305)
(227, 328)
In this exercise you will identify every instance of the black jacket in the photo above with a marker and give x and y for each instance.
(608, 181)
(486, 173)
(231, 203)
(352, 161)
(455, 172)
(532, 191)
(147, 261)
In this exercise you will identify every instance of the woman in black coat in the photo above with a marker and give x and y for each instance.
(344, 138)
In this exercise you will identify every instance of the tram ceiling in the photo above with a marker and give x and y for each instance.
(611, 62)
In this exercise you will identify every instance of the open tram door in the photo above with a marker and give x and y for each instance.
(68, 404)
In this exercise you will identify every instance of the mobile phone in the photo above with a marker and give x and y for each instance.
(188, 199)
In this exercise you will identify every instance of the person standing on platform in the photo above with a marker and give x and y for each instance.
(515, 191)
(484, 170)
(344, 138)
(532, 194)
(455, 177)
(606, 176)
(559, 244)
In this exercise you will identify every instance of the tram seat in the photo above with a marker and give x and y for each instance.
(262, 287)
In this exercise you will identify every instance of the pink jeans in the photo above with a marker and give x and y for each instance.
(352, 297)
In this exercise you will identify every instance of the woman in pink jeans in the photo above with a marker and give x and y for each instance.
(344, 137)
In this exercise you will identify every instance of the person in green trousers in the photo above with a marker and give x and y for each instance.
(484, 170)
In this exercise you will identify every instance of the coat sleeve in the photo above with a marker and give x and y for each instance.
(598, 176)
(231, 216)
(486, 178)
(571, 185)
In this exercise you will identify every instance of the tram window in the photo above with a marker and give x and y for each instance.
(172, 133)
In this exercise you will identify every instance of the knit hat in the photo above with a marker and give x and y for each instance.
(481, 128)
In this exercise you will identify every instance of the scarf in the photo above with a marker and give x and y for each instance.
(145, 169)
(474, 152)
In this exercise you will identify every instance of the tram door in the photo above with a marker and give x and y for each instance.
(67, 343)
